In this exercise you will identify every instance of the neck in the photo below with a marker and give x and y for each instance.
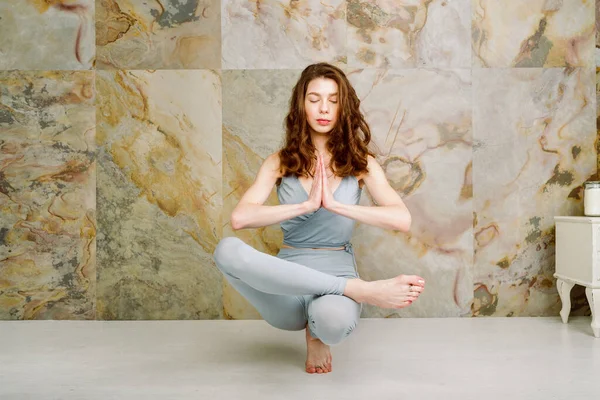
(320, 142)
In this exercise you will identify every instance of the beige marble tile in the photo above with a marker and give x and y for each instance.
(597, 33)
(279, 34)
(47, 195)
(533, 33)
(409, 33)
(175, 157)
(159, 194)
(47, 35)
(171, 34)
(421, 125)
(534, 146)
(255, 104)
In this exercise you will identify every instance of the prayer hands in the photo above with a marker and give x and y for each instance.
(320, 193)
(327, 200)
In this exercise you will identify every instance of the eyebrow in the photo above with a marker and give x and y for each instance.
(317, 94)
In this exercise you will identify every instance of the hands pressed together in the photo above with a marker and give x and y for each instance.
(320, 193)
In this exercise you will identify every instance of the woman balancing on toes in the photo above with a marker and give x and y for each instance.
(313, 283)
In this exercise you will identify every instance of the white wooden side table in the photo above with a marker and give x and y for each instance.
(578, 263)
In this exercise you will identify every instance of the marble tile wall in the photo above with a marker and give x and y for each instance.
(130, 129)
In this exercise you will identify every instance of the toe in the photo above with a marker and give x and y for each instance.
(410, 280)
(416, 280)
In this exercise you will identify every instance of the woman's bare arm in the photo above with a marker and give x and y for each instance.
(390, 211)
(250, 211)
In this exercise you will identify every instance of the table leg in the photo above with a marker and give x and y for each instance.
(564, 291)
(593, 296)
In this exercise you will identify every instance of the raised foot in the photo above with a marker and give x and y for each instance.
(398, 292)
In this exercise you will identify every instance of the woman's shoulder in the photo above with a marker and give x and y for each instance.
(273, 161)
(371, 163)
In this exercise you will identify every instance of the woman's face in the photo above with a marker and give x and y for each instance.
(321, 104)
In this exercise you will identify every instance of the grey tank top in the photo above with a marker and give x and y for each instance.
(321, 228)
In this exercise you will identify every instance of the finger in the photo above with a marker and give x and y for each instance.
(318, 168)
(324, 177)
(318, 181)
(320, 184)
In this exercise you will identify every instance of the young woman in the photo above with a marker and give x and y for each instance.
(313, 282)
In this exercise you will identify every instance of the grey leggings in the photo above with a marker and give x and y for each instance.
(288, 295)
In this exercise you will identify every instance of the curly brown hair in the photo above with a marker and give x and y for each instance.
(348, 141)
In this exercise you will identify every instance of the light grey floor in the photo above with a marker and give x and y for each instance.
(417, 358)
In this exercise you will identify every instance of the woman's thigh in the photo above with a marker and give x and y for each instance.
(280, 311)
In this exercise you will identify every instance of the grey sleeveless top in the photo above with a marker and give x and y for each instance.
(321, 228)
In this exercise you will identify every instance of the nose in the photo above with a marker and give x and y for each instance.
(324, 107)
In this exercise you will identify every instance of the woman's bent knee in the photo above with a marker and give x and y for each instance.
(333, 318)
(226, 251)
(332, 331)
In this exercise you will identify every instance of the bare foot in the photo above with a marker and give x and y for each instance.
(318, 356)
(398, 292)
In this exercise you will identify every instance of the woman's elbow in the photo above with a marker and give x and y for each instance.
(235, 222)
(404, 221)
